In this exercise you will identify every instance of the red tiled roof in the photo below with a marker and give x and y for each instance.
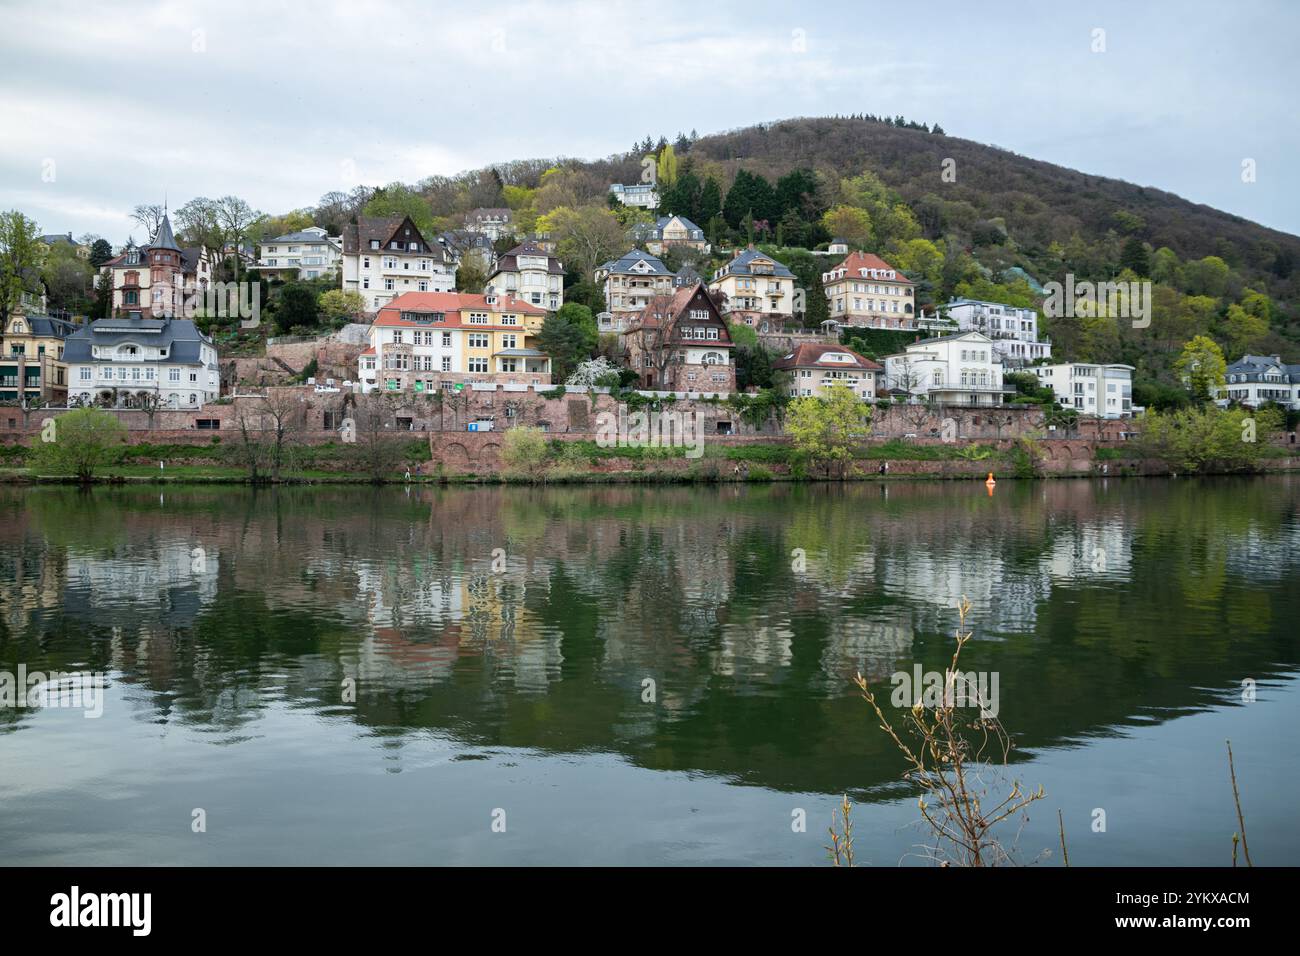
(808, 355)
(865, 260)
(451, 304)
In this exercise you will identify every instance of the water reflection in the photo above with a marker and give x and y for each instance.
(534, 618)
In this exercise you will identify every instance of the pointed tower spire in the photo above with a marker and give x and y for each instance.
(165, 239)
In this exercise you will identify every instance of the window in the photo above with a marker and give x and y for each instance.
(478, 365)
(173, 375)
(446, 363)
(388, 285)
(85, 373)
(508, 342)
(478, 340)
(446, 340)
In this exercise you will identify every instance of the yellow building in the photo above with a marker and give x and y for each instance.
(33, 355)
(423, 341)
(865, 290)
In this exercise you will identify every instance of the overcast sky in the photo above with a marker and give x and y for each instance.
(109, 105)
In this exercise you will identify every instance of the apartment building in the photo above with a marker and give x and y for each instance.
(31, 366)
(961, 369)
(130, 361)
(669, 231)
(1105, 391)
(1256, 379)
(153, 280)
(384, 257)
(630, 283)
(1014, 331)
(641, 195)
(681, 343)
(422, 342)
(309, 254)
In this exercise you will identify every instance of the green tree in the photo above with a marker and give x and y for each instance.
(21, 257)
(1134, 256)
(297, 307)
(524, 453)
(710, 202)
(568, 337)
(1207, 439)
(1202, 368)
(83, 440)
(338, 306)
(849, 223)
(826, 431)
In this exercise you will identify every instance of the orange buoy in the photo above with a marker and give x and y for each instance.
(990, 484)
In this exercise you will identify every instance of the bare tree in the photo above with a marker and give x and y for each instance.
(149, 215)
(379, 448)
(235, 217)
(268, 427)
(651, 338)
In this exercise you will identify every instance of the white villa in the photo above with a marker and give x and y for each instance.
(530, 273)
(961, 369)
(308, 254)
(385, 257)
(1014, 331)
(641, 195)
(630, 283)
(1105, 391)
(129, 362)
(1255, 379)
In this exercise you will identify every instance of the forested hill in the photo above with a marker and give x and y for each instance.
(1041, 203)
(961, 218)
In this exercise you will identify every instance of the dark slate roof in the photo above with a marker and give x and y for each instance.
(180, 335)
(58, 237)
(1253, 367)
(165, 239)
(627, 261)
(50, 327)
(508, 262)
(357, 238)
(297, 237)
(740, 266)
(190, 260)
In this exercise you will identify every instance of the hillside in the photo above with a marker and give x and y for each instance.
(1002, 225)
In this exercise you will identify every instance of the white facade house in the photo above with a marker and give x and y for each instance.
(641, 195)
(129, 362)
(1105, 391)
(309, 254)
(1014, 331)
(1256, 379)
(961, 369)
(385, 257)
(530, 273)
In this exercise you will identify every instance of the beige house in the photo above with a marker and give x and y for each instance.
(755, 289)
(864, 290)
(630, 283)
(812, 369)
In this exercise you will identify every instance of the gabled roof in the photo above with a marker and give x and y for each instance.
(383, 229)
(625, 264)
(674, 309)
(810, 355)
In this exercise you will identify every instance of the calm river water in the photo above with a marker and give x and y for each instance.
(637, 675)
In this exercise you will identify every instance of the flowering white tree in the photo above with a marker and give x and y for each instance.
(592, 371)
